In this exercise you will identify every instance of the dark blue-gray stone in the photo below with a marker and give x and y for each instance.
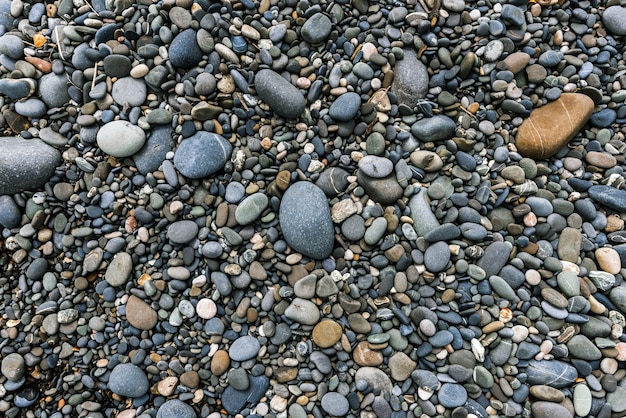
(175, 408)
(500, 355)
(279, 94)
(451, 395)
(495, 257)
(436, 128)
(443, 232)
(513, 15)
(10, 214)
(441, 338)
(332, 181)
(553, 373)
(53, 90)
(437, 256)
(128, 380)
(614, 18)
(6, 20)
(316, 28)
(31, 108)
(609, 196)
(526, 350)
(234, 400)
(305, 220)
(335, 404)
(25, 164)
(12, 46)
(550, 58)
(603, 118)
(410, 81)
(202, 155)
(17, 89)
(184, 51)
(385, 190)
(424, 378)
(153, 153)
(345, 107)
(244, 348)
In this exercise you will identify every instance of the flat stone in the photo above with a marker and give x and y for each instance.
(609, 196)
(244, 348)
(550, 127)
(326, 334)
(384, 190)
(543, 409)
(120, 138)
(119, 270)
(181, 232)
(128, 380)
(175, 408)
(437, 256)
(614, 19)
(220, 362)
(184, 51)
(234, 400)
(303, 311)
(139, 314)
(494, 258)
(155, 149)
(13, 367)
(316, 28)
(553, 373)
(570, 241)
(451, 395)
(305, 220)
(401, 366)
(335, 404)
(435, 128)
(424, 220)
(582, 347)
(345, 107)
(10, 215)
(251, 208)
(25, 164)
(363, 355)
(53, 90)
(202, 155)
(279, 94)
(128, 90)
(376, 167)
(582, 400)
(547, 393)
(410, 81)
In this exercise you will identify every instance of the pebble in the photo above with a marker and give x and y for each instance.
(279, 94)
(544, 133)
(305, 220)
(27, 164)
(410, 82)
(202, 155)
(128, 380)
(175, 408)
(120, 138)
(345, 107)
(613, 19)
(286, 209)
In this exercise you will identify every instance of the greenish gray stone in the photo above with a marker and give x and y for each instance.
(251, 208)
(581, 347)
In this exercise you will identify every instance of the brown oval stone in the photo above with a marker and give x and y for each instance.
(601, 159)
(546, 393)
(220, 362)
(326, 333)
(553, 125)
(554, 297)
(139, 314)
(608, 259)
(364, 356)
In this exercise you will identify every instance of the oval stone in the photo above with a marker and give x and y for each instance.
(553, 125)
(120, 138)
(251, 208)
(305, 220)
(279, 94)
(202, 155)
(25, 164)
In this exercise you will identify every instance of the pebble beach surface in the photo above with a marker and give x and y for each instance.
(302, 208)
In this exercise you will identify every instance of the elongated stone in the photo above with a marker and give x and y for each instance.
(551, 126)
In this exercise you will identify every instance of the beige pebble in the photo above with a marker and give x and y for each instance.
(608, 259)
